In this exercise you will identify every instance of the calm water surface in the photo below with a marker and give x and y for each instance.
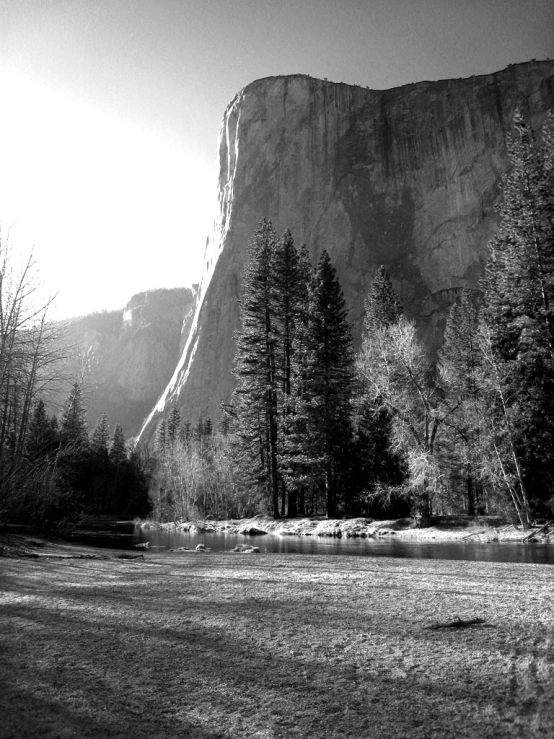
(472, 551)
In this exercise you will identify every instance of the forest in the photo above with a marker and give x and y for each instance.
(314, 427)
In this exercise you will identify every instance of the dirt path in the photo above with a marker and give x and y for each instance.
(266, 646)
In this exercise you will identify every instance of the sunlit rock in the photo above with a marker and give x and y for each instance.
(407, 178)
(126, 358)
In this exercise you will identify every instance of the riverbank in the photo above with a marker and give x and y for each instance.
(444, 528)
(225, 647)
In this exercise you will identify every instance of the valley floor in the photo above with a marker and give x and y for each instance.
(234, 647)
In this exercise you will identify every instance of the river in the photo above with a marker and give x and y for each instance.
(383, 547)
(123, 536)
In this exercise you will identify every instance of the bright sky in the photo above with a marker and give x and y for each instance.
(110, 111)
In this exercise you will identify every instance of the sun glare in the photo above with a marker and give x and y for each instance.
(111, 208)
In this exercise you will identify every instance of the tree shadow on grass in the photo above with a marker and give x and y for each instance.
(26, 715)
(147, 673)
(128, 650)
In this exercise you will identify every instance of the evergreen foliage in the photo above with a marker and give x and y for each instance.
(382, 305)
(317, 450)
(161, 442)
(173, 425)
(42, 435)
(291, 277)
(74, 420)
(255, 397)
(308, 430)
(118, 450)
(101, 436)
(518, 319)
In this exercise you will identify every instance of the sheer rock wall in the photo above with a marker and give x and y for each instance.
(407, 178)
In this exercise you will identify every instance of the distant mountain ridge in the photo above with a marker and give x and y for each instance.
(126, 357)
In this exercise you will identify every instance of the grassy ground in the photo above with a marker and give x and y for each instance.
(266, 646)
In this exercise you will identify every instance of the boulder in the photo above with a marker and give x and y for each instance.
(246, 549)
(251, 531)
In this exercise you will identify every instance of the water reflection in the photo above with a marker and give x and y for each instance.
(471, 551)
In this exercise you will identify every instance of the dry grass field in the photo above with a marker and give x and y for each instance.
(242, 646)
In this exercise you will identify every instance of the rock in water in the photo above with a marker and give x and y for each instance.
(407, 178)
(252, 531)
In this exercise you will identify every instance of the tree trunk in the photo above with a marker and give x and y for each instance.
(291, 510)
(302, 502)
(470, 494)
(425, 509)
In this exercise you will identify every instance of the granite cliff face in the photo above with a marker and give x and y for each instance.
(407, 178)
(128, 356)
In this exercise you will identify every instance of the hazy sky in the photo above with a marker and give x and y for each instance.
(110, 111)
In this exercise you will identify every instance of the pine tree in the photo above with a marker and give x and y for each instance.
(255, 397)
(42, 437)
(382, 306)
(173, 425)
(274, 296)
(518, 314)
(324, 377)
(118, 450)
(101, 436)
(74, 421)
(289, 294)
(224, 425)
(291, 275)
(161, 444)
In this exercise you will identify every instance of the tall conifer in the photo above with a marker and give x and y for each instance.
(101, 436)
(42, 437)
(518, 311)
(291, 273)
(173, 425)
(74, 420)
(382, 305)
(118, 450)
(255, 397)
(324, 376)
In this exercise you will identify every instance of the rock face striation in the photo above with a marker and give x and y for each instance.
(126, 357)
(407, 178)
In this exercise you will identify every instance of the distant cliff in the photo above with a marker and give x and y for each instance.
(406, 177)
(126, 357)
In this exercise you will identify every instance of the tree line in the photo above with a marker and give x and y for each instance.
(63, 473)
(318, 429)
(313, 427)
(50, 469)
